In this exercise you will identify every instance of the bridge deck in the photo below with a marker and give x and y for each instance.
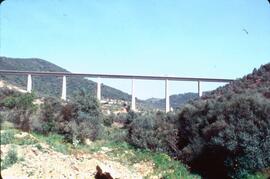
(29, 75)
(117, 76)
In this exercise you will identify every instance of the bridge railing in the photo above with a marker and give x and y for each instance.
(64, 75)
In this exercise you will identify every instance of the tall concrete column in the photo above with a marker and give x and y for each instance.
(29, 83)
(133, 99)
(98, 89)
(64, 89)
(199, 89)
(167, 96)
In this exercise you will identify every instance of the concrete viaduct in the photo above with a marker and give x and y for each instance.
(64, 75)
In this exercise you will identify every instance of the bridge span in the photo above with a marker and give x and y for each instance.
(64, 75)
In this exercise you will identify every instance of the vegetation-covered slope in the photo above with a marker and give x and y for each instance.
(228, 132)
(257, 81)
(176, 100)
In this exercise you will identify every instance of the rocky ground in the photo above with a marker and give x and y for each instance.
(44, 162)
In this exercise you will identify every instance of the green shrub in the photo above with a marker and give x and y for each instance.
(257, 176)
(49, 116)
(77, 120)
(20, 118)
(27, 140)
(171, 169)
(129, 117)
(157, 132)
(19, 101)
(20, 107)
(7, 137)
(39, 147)
(108, 120)
(88, 119)
(121, 118)
(228, 136)
(6, 92)
(10, 159)
(114, 134)
(56, 141)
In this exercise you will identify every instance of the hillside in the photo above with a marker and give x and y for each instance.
(227, 128)
(52, 86)
(176, 100)
(257, 81)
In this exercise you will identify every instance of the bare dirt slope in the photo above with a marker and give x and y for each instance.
(44, 162)
(4, 84)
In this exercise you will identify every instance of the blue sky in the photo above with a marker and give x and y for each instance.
(147, 37)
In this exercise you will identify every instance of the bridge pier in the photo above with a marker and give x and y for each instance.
(98, 89)
(29, 83)
(133, 99)
(167, 96)
(199, 89)
(64, 89)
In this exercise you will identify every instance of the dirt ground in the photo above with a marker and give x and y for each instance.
(47, 163)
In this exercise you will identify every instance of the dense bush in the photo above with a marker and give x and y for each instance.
(5, 92)
(10, 159)
(78, 119)
(20, 107)
(19, 101)
(88, 117)
(7, 137)
(48, 116)
(121, 118)
(228, 136)
(156, 132)
(109, 119)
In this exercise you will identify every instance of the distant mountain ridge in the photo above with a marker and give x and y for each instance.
(176, 100)
(49, 85)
